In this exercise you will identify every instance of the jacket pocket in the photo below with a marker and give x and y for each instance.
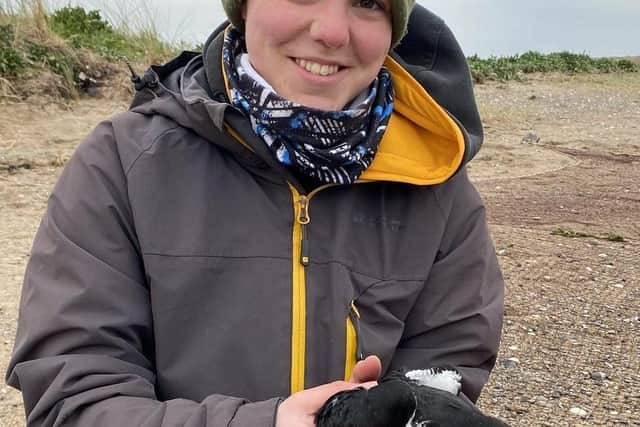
(353, 350)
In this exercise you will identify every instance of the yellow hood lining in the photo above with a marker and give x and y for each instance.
(422, 145)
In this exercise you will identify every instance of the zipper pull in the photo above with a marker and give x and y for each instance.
(303, 220)
(303, 214)
(354, 314)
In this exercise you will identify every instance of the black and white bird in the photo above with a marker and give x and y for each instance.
(421, 398)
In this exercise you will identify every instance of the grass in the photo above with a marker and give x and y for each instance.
(54, 47)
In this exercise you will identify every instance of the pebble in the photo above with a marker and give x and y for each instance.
(510, 363)
(598, 376)
(541, 401)
(579, 412)
(531, 138)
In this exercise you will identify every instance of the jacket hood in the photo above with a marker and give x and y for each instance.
(434, 131)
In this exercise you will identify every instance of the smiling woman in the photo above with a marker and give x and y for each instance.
(281, 217)
(294, 45)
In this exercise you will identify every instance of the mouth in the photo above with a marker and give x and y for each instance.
(317, 68)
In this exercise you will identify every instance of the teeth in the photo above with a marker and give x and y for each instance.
(315, 68)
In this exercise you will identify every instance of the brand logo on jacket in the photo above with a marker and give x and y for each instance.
(378, 222)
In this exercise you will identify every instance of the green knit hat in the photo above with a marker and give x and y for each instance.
(400, 10)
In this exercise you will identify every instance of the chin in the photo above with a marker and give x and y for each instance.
(321, 103)
(328, 100)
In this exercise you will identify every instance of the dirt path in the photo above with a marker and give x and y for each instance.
(564, 212)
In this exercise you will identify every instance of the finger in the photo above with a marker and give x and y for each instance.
(365, 370)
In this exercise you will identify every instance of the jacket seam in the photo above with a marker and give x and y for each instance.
(235, 412)
(153, 142)
(215, 256)
(95, 256)
(379, 279)
(346, 266)
(275, 412)
(133, 235)
(436, 196)
(366, 289)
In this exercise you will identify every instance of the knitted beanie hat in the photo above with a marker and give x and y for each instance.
(400, 10)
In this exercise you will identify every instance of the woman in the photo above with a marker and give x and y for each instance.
(266, 214)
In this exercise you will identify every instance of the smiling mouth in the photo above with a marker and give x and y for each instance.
(316, 68)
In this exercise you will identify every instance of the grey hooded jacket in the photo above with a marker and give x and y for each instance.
(182, 277)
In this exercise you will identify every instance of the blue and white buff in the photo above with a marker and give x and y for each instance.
(323, 146)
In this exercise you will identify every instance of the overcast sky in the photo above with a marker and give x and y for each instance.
(483, 27)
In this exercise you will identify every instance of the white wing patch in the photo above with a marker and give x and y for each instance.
(443, 379)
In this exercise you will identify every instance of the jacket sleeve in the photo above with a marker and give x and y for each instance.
(84, 349)
(457, 319)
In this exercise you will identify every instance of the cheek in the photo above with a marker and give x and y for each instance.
(372, 50)
(271, 26)
(372, 43)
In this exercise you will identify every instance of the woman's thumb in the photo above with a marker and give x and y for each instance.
(366, 370)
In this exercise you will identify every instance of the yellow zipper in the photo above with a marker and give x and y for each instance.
(298, 303)
(300, 259)
(352, 350)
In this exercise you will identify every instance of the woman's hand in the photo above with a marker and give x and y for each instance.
(299, 410)
(366, 370)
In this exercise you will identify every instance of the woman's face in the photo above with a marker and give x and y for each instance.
(318, 53)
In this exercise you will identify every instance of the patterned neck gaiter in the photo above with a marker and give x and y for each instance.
(323, 146)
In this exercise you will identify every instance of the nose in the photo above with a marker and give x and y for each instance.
(331, 26)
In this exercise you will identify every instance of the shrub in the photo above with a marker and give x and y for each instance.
(514, 67)
(12, 63)
(87, 29)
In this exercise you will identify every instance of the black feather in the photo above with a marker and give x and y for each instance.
(398, 400)
(391, 404)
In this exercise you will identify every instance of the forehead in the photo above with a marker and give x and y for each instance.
(282, 3)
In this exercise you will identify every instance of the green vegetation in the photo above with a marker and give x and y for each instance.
(87, 29)
(514, 67)
(565, 232)
(11, 61)
(66, 47)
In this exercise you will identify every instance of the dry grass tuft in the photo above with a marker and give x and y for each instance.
(70, 52)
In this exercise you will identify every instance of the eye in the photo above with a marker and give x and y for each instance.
(371, 4)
